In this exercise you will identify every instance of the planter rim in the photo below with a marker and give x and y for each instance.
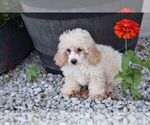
(68, 16)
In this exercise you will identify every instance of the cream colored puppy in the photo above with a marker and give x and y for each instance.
(84, 62)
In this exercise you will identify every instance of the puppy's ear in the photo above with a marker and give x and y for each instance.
(93, 55)
(60, 58)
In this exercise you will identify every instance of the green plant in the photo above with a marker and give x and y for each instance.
(4, 17)
(32, 72)
(131, 77)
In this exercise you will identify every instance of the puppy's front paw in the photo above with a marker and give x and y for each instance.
(70, 90)
(66, 92)
(98, 94)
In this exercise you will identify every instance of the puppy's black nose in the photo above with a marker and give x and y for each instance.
(73, 61)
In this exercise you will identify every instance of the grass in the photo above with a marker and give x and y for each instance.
(32, 72)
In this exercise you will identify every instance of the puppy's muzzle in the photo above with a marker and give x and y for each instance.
(74, 61)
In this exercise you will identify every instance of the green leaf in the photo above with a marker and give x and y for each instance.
(129, 54)
(125, 63)
(119, 75)
(135, 59)
(135, 94)
(129, 71)
(124, 87)
(128, 79)
(137, 78)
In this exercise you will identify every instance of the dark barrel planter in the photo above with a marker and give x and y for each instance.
(45, 30)
(15, 44)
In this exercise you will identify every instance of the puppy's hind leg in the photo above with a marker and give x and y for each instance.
(70, 87)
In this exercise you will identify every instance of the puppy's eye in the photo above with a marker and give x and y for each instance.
(68, 50)
(79, 49)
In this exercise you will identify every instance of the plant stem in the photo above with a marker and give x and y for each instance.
(126, 45)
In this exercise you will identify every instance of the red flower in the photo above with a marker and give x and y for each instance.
(126, 10)
(126, 29)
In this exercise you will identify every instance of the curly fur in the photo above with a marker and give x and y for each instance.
(60, 58)
(94, 55)
(97, 64)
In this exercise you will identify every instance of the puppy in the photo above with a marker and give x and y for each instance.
(84, 62)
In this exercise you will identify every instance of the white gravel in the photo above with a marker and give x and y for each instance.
(40, 102)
